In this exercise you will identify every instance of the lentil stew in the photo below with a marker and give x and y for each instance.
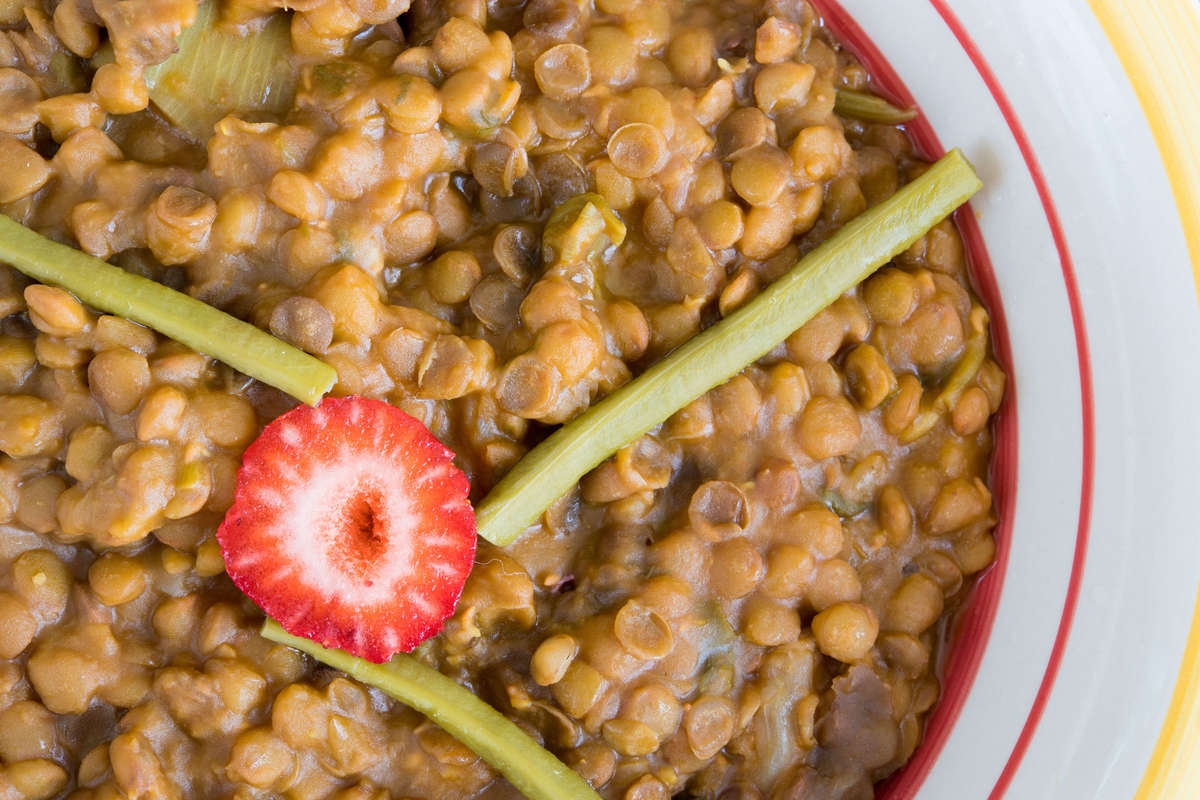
(749, 601)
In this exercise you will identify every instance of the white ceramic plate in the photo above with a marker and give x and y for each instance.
(1070, 678)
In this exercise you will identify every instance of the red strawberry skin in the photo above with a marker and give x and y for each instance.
(351, 527)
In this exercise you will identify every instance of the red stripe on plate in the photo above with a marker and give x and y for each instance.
(1085, 391)
(975, 623)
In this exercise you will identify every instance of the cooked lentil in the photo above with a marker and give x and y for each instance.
(695, 620)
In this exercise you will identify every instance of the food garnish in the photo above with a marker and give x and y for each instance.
(351, 526)
(869, 108)
(176, 315)
(713, 356)
(530, 768)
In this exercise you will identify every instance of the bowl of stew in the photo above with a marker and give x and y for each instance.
(883, 554)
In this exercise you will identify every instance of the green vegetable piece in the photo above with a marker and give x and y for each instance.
(574, 230)
(534, 771)
(713, 356)
(215, 73)
(965, 370)
(841, 505)
(869, 108)
(171, 313)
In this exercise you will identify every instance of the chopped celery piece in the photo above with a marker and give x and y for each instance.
(534, 771)
(215, 73)
(869, 108)
(839, 504)
(575, 229)
(185, 319)
(715, 355)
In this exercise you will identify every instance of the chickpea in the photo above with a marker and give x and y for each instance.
(846, 631)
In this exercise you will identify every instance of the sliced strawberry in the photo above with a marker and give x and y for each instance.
(351, 527)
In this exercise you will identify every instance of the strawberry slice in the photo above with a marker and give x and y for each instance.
(351, 527)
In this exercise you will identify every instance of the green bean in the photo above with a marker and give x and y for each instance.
(710, 358)
(174, 314)
(869, 108)
(534, 771)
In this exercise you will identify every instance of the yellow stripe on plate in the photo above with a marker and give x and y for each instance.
(1157, 41)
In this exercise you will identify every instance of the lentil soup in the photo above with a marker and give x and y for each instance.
(748, 602)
